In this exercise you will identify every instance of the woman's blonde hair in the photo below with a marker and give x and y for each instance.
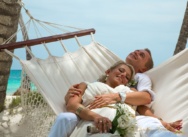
(104, 77)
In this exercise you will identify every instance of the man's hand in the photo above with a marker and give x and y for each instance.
(174, 126)
(103, 100)
(73, 91)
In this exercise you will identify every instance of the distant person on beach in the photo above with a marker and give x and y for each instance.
(141, 60)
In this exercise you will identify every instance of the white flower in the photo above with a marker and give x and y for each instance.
(123, 121)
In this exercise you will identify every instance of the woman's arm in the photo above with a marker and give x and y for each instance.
(74, 105)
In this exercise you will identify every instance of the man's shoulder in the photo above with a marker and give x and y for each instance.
(141, 75)
(142, 78)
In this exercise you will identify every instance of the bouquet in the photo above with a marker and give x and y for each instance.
(124, 123)
(132, 83)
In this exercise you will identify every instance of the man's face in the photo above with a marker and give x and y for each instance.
(138, 60)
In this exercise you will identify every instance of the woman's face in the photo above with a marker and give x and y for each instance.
(118, 76)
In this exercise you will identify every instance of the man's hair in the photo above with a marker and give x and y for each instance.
(149, 64)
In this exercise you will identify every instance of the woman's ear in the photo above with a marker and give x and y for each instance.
(107, 72)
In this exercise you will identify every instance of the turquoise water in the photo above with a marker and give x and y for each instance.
(13, 81)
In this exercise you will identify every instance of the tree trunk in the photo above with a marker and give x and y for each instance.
(9, 16)
(182, 40)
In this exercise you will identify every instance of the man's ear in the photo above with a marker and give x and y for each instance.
(142, 70)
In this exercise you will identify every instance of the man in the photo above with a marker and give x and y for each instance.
(142, 61)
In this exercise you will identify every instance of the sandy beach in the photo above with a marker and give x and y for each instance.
(16, 122)
(10, 118)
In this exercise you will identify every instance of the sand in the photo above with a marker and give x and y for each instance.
(30, 122)
(10, 118)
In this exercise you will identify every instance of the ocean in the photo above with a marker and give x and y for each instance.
(13, 81)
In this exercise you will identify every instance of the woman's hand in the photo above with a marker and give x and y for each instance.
(103, 100)
(174, 126)
(73, 91)
(103, 124)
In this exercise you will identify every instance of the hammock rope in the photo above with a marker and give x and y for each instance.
(78, 41)
(29, 51)
(63, 46)
(11, 54)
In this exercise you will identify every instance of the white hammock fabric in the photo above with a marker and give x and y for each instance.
(55, 75)
(170, 82)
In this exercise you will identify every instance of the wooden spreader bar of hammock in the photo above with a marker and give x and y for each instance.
(48, 39)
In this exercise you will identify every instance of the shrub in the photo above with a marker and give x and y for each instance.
(15, 102)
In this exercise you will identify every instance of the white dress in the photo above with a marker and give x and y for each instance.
(94, 89)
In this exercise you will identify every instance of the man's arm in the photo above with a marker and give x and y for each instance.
(132, 98)
(143, 97)
(144, 110)
(138, 98)
(174, 126)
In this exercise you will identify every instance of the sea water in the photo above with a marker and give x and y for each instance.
(13, 81)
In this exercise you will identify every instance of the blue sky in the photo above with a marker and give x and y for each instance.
(122, 26)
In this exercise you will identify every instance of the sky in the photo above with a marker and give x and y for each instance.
(122, 26)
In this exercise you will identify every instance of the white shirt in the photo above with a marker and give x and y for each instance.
(144, 84)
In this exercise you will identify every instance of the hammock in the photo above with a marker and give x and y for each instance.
(54, 75)
(46, 81)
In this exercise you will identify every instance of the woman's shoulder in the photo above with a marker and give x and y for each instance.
(96, 83)
(123, 88)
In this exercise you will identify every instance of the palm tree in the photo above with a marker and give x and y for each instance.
(9, 16)
(182, 40)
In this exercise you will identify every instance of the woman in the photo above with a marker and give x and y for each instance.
(116, 77)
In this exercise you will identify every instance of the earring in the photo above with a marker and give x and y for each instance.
(106, 77)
